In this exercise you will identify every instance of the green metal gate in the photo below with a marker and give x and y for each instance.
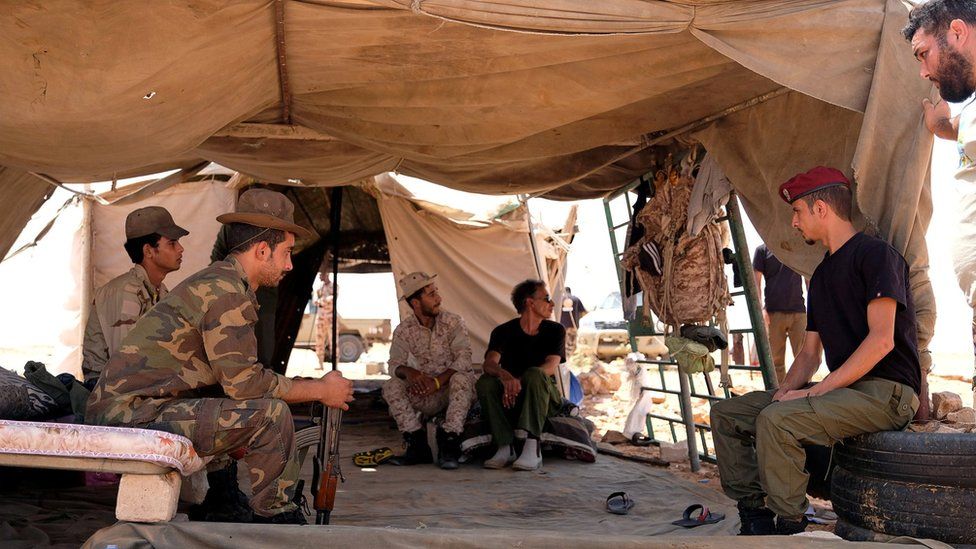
(691, 386)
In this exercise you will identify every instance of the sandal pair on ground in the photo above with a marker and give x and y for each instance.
(619, 503)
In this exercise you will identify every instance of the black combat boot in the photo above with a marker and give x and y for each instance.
(448, 449)
(295, 516)
(789, 526)
(756, 521)
(418, 451)
(224, 501)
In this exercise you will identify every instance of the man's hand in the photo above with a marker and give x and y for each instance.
(419, 384)
(792, 395)
(938, 119)
(336, 390)
(512, 387)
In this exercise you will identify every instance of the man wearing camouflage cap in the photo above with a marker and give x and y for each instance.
(152, 242)
(860, 309)
(430, 372)
(189, 366)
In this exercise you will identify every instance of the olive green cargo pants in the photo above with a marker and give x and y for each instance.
(759, 443)
(538, 400)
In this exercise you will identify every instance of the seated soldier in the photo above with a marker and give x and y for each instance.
(518, 389)
(189, 366)
(430, 371)
(860, 308)
(152, 242)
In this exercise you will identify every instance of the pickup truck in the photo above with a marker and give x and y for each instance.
(356, 335)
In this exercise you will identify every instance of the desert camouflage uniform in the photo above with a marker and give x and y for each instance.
(116, 308)
(432, 352)
(323, 322)
(198, 343)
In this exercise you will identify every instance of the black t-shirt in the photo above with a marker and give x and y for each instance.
(863, 269)
(783, 290)
(521, 351)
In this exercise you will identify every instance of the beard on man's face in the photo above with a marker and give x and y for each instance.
(955, 76)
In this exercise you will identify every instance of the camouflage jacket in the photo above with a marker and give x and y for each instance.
(196, 342)
(447, 346)
(116, 308)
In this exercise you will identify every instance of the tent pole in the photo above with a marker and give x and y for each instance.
(535, 250)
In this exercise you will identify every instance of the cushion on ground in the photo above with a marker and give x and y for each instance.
(98, 442)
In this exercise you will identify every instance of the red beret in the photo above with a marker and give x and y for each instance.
(813, 180)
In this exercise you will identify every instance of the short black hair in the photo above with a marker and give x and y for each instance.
(568, 291)
(524, 290)
(934, 17)
(241, 236)
(133, 246)
(416, 295)
(837, 197)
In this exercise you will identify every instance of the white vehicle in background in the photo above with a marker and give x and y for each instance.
(603, 331)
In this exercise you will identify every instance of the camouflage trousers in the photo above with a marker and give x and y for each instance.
(408, 409)
(261, 429)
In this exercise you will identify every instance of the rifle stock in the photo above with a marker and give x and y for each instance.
(327, 473)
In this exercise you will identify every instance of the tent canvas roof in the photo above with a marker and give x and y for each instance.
(562, 98)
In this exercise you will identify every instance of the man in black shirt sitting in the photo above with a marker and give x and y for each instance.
(518, 389)
(860, 308)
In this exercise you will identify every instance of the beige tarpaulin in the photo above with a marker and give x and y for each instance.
(487, 96)
(194, 206)
(477, 265)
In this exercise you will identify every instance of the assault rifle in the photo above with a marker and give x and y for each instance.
(326, 474)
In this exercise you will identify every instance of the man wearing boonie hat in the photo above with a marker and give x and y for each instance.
(152, 242)
(860, 309)
(430, 372)
(189, 366)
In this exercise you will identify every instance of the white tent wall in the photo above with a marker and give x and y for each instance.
(476, 266)
(194, 207)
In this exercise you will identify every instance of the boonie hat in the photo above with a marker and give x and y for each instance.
(805, 183)
(152, 219)
(414, 281)
(265, 208)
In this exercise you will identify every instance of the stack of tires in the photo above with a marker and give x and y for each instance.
(900, 483)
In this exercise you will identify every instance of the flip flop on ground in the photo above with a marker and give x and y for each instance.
(619, 503)
(704, 516)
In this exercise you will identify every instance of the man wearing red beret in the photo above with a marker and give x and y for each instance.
(860, 309)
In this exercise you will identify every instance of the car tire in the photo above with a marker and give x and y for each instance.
(350, 348)
(941, 459)
(900, 483)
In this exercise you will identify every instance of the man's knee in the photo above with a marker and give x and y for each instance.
(488, 386)
(394, 387)
(462, 381)
(276, 413)
(772, 417)
(535, 376)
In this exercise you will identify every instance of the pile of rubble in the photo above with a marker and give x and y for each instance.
(950, 416)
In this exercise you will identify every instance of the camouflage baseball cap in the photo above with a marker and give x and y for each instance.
(414, 281)
(152, 219)
(265, 208)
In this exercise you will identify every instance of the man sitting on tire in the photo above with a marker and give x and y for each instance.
(860, 308)
(430, 371)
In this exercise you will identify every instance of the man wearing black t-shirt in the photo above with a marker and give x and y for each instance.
(860, 308)
(518, 389)
(783, 309)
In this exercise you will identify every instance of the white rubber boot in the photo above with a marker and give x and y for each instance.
(531, 457)
(502, 457)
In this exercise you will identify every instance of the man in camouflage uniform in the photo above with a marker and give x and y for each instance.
(323, 319)
(189, 366)
(152, 242)
(430, 371)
